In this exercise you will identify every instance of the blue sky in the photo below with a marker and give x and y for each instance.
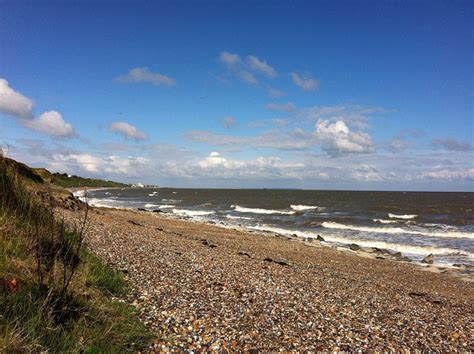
(316, 94)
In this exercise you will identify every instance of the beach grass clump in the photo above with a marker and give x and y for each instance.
(54, 294)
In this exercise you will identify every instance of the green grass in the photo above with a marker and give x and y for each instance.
(75, 181)
(40, 314)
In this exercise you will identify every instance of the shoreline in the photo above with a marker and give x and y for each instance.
(206, 287)
(464, 271)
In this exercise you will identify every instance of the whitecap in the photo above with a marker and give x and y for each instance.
(406, 216)
(186, 212)
(412, 249)
(397, 230)
(149, 205)
(260, 211)
(383, 221)
(238, 217)
(305, 207)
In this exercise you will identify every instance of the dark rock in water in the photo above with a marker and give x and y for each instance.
(157, 211)
(141, 209)
(398, 256)
(428, 259)
(294, 235)
(354, 247)
(319, 238)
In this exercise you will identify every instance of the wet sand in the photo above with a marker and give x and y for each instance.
(200, 286)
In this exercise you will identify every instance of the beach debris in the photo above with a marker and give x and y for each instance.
(244, 254)
(134, 223)
(354, 247)
(428, 259)
(208, 244)
(10, 285)
(281, 262)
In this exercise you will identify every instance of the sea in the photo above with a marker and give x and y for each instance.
(413, 223)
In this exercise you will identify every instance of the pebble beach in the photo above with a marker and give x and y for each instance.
(204, 287)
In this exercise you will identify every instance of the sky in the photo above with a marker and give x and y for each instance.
(365, 95)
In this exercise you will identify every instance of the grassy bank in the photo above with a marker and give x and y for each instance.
(54, 294)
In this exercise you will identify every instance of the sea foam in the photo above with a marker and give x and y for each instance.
(396, 247)
(305, 207)
(397, 230)
(261, 211)
(406, 216)
(191, 213)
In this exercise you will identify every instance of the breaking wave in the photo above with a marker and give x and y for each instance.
(406, 216)
(396, 230)
(191, 213)
(396, 247)
(260, 211)
(305, 207)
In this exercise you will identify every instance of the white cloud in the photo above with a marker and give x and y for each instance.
(452, 144)
(229, 58)
(137, 75)
(337, 139)
(248, 77)
(229, 122)
(263, 167)
(13, 102)
(51, 123)
(260, 66)
(286, 107)
(247, 70)
(127, 130)
(272, 92)
(270, 139)
(306, 83)
(90, 164)
(443, 174)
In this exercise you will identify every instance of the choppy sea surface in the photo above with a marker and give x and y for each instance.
(413, 223)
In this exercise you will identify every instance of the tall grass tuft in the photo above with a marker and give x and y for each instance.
(54, 294)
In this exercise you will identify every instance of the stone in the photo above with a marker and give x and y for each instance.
(428, 259)
(320, 238)
(354, 247)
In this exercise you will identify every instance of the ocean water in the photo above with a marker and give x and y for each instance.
(414, 223)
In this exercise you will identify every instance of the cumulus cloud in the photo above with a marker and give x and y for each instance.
(273, 92)
(452, 144)
(127, 130)
(288, 107)
(248, 77)
(305, 82)
(51, 123)
(95, 165)
(229, 122)
(265, 167)
(143, 74)
(337, 139)
(443, 174)
(270, 139)
(261, 66)
(246, 70)
(229, 58)
(13, 102)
